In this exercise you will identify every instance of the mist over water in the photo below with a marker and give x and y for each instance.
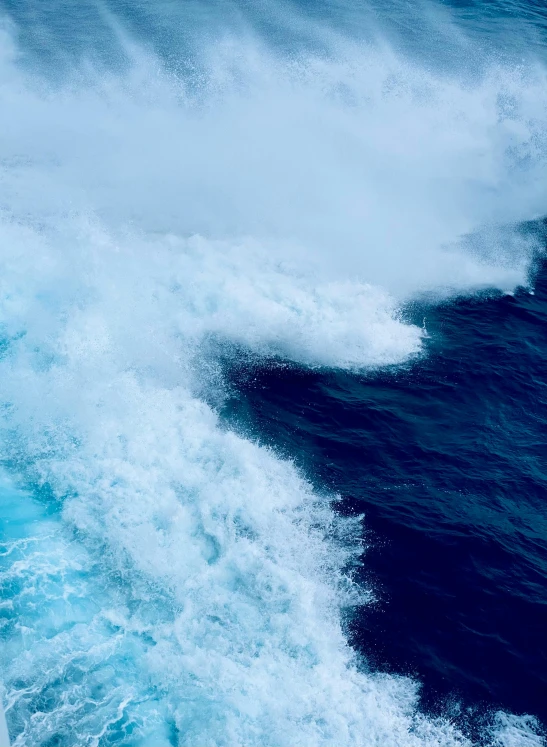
(240, 191)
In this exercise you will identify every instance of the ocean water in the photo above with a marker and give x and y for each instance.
(273, 343)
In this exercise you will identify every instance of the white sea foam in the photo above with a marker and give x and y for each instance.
(189, 590)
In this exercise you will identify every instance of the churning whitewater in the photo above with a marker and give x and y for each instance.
(166, 580)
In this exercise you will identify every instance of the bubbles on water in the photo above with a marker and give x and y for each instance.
(188, 587)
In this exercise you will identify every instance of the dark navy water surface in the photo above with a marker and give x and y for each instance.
(447, 460)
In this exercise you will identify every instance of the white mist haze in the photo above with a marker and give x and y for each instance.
(365, 164)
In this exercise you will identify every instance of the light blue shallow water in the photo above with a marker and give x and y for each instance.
(66, 657)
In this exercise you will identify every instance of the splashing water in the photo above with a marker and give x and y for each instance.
(167, 581)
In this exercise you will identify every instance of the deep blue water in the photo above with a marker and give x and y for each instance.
(253, 256)
(447, 461)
